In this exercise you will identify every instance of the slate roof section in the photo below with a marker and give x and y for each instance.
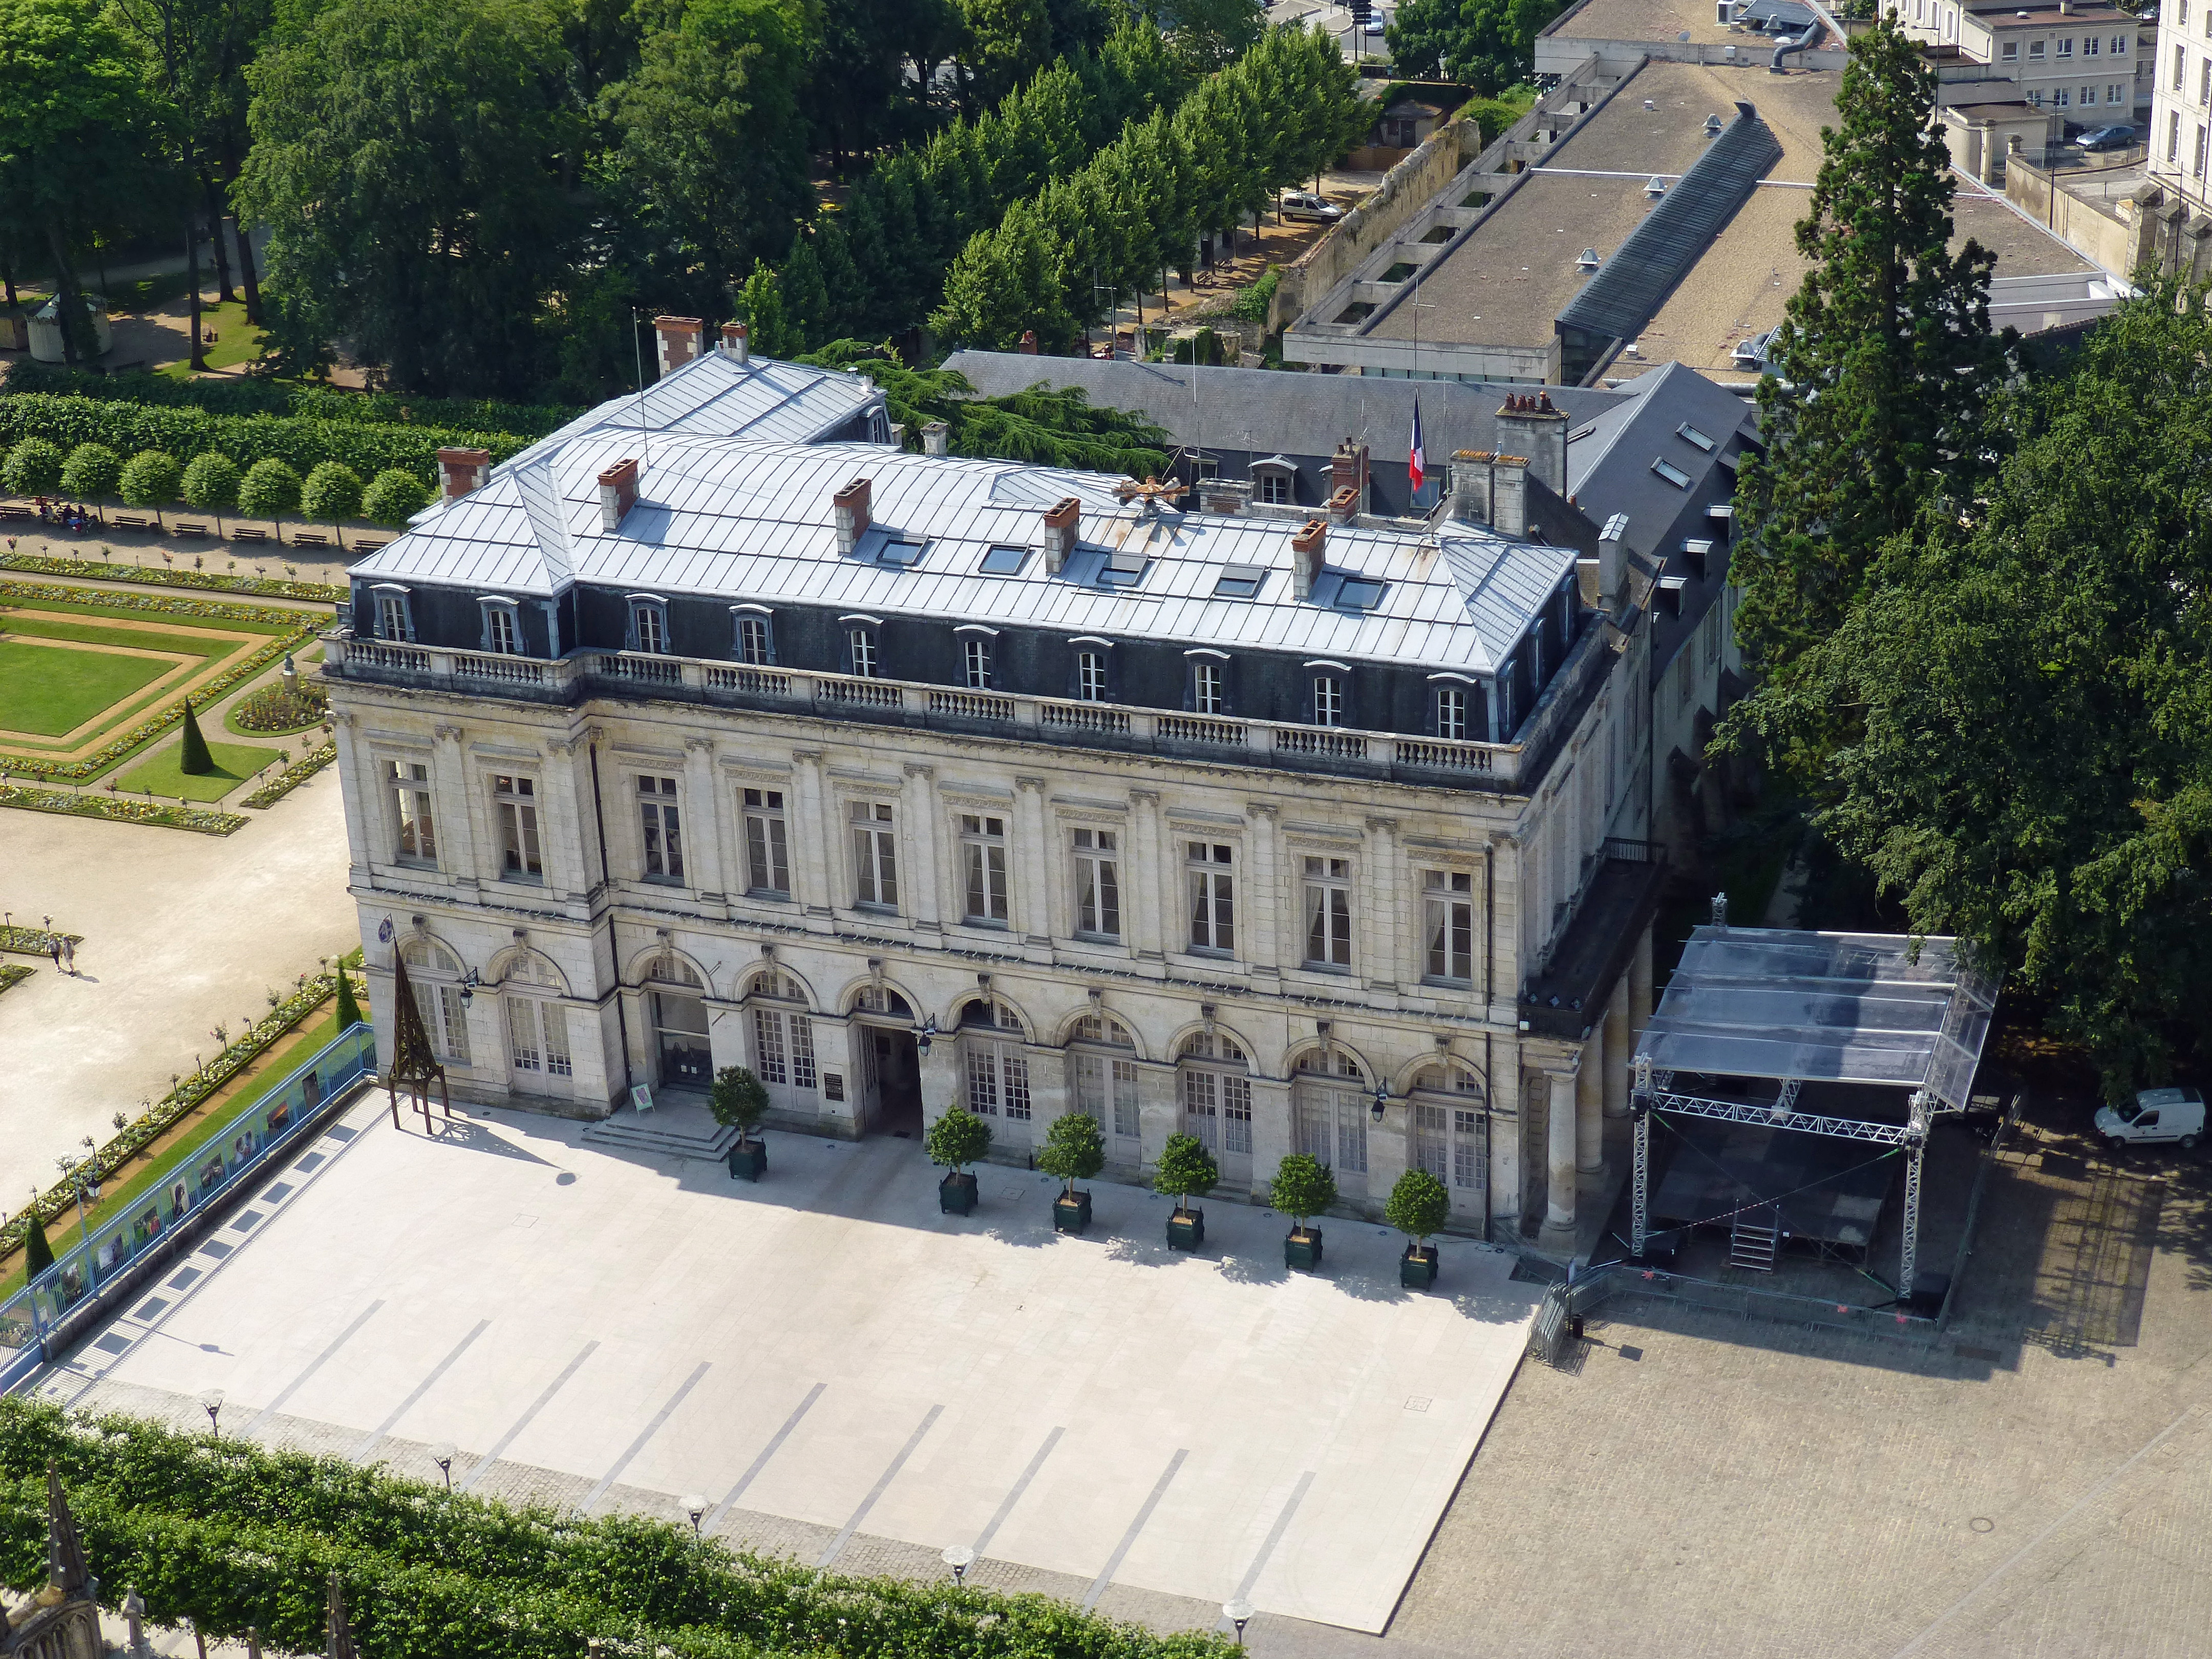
(1630, 285)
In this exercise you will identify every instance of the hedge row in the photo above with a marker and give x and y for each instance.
(258, 396)
(269, 587)
(301, 442)
(292, 777)
(304, 1517)
(163, 1114)
(120, 809)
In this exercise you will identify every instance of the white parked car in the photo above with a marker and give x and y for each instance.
(2156, 1115)
(1305, 205)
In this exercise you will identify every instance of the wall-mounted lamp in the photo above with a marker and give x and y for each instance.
(921, 1036)
(469, 984)
(1382, 1099)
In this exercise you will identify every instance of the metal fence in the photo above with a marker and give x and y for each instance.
(101, 1264)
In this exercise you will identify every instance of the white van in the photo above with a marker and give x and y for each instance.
(2157, 1115)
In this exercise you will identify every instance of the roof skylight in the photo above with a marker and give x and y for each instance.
(1673, 474)
(1239, 581)
(901, 553)
(1005, 560)
(1359, 593)
(1686, 430)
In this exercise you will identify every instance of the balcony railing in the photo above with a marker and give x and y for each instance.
(1052, 720)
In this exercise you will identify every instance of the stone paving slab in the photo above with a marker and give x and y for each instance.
(853, 1375)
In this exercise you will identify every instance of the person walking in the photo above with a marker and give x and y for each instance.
(54, 948)
(69, 957)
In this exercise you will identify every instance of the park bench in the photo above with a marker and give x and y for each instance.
(367, 547)
(240, 532)
(14, 513)
(182, 529)
(133, 522)
(310, 538)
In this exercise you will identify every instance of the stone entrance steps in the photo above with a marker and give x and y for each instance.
(675, 1128)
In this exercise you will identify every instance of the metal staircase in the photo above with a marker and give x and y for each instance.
(1753, 1237)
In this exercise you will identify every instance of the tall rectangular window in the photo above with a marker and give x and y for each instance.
(983, 856)
(514, 805)
(1329, 913)
(1099, 883)
(1451, 712)
(875, 855)
(499, 631)
(1212, 897)
(1327, 700)
(1448, 923)
(445, 1019)
(1209, 689)
(663, 836)
(418, 836)
(392, 622)
(975, 661)
(1091, 676)
(863, 643)
(769, 1058)
(1236, 1113)
(752, 641)
(998, 1079)
(1272, 488)
(2180, 66)
(768, 861)
(651, 627)
(1103, 1086)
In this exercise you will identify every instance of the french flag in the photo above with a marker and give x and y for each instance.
(1416, 461)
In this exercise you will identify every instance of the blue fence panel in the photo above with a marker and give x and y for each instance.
(246, 1144)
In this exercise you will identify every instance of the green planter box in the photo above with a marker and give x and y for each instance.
(1303, 1250)
(1071, 1214)
(1186, 1230)
(1417, 1269)
(749, 1160)
(956, 1194)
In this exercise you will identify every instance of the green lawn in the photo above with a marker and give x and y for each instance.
(49, 689)
(20, 610)
(234, 762)
(237, 341)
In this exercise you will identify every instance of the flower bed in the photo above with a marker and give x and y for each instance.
(13, 974)
(277, 711)
(34, 941)
(167, 1112)
(270, 588)
(119, 809)
(292, 776)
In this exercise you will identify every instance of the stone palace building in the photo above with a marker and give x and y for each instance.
(718, 729)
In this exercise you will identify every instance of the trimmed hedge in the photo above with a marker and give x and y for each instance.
(228, 1534)
(301, 443)
(292, 777)
(271, 587)
(252, 396)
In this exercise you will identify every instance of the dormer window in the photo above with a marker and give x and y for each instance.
(752, 640)
(976, 658)
(503, 629)
(1451, 713)
(1209, 681)
(1094, 671)
(1327, 693)
(862, 657)
(648, 624)
(395, 617)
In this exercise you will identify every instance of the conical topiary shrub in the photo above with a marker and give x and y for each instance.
(38, 1254)
(195, 760)
(348, 1009)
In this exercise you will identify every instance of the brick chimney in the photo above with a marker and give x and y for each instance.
(1029, 346)
(1509, 496)
(850, 507)
(936, 438)
(1062, 521)
(1344, 505)
(617, 493)
(681, 339)
(737, 343)
(460, 471)
(1347, 468)
(1308, 547)
(1470, 486)
(1530, 425)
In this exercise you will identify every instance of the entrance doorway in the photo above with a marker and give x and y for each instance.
(894, 1103)
(679, 1029)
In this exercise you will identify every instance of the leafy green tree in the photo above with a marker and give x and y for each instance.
(1488, 45)
(151, 478)
(193, 757)
(409, 158)
(1186, 1170)
(713, 142)
(1419, 1205)
(270, 489)
(34, 467)
(861, 94)
(760, 307)
(348, 1009)
(1006, 42)
(92, 472)
(211, 483)
(1304, 1188)
(1210, 33)
(332, 492)
(393, 496)
(1882, 367)
(958, 1139)
(738, 1100)
(1074, 1149)
(2032, 767)
(75, 130)
(38, 1254)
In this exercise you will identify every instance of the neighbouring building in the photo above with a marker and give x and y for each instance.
(904, 779)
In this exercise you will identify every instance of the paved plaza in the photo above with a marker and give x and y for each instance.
(829, 1359)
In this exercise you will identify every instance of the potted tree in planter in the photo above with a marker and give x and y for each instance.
(956, 1141)
(1074, 1149)
(1186, 1170)
(739, 1100)
(1418, 1206)
(1302, 1187)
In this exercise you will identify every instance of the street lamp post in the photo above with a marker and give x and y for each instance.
(696, 1506)
(442, 1454)
(212, 1403)
(1239, 1614)
(959, 1557)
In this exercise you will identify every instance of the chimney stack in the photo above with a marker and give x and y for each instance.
(680, 340)
(738, 344)
(850, 507)
(1062, 521)
(617, 493)
(1533, 427)
(1347, 468)
(1344, 505)
(1509, 496)
(1308, 550)
(460, 471)
(1470, 486)
(1604, 580)
(1029, 343)
(936, 438)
